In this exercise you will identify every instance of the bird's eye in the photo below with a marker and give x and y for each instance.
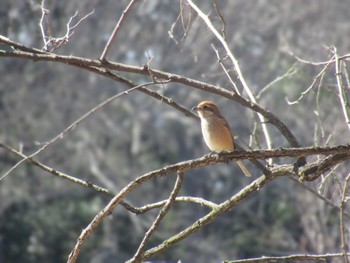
(206, 107)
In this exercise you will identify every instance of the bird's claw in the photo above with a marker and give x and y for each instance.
(213, 154)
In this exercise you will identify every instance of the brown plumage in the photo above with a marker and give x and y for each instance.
(216, 131)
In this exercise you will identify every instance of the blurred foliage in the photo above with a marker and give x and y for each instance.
(41, 216)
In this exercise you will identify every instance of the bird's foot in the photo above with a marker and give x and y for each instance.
(215, 154)
(212, 154)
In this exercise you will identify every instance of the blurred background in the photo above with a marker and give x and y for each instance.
(41, 216)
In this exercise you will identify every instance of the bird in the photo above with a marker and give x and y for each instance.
(216, 131)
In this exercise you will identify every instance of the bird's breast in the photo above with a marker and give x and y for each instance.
(217, 134)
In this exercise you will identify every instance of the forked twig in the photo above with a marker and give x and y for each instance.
(53, 43)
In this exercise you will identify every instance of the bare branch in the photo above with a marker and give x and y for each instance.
(73, 125)
(342, 97)
(53, 43)
(192, 199)
(92, 65)
(342, 222)
(311, 171)
(313, 63)
(323, 257)
(326, 200)
(290, 72)
(235, 88)
(212, 215)
(116, 29)
(318, 76)
(138, 255)
(223, 29)
(136, 210)
(43, 20)
(55, 172)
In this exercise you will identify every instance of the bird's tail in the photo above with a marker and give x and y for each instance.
(244, 168)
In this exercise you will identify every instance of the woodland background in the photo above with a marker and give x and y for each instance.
(41, 216)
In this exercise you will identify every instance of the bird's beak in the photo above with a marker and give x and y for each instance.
(194, 108)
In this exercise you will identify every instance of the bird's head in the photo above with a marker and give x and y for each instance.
(207, 109)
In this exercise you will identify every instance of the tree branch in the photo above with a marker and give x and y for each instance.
(73, 125)
(323, 257)
(116, 29)
(91, 64)
(317, 166)
(341, 217)
(138, 255)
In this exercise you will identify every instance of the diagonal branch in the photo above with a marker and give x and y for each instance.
(341, 217)
(72, 126)
(162, 213)
(219, 210)
(237, 68)
(342, 96)
(135, 210)
(116, 29)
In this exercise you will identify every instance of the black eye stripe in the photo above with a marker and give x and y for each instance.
(206, 107)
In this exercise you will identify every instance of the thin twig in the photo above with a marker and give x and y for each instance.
(53, 43)
(341, 217)
(116, 29)
(43, 19)
(341, 92)
(197, 200)
(138, 255)
(299, 257)
(290, 72)
(223, 29)
(318, 76)
(235, 88)
(131, 208)
(55, 172)
(313, 63)
(314, 192)
(73, 125)
(237, 68)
